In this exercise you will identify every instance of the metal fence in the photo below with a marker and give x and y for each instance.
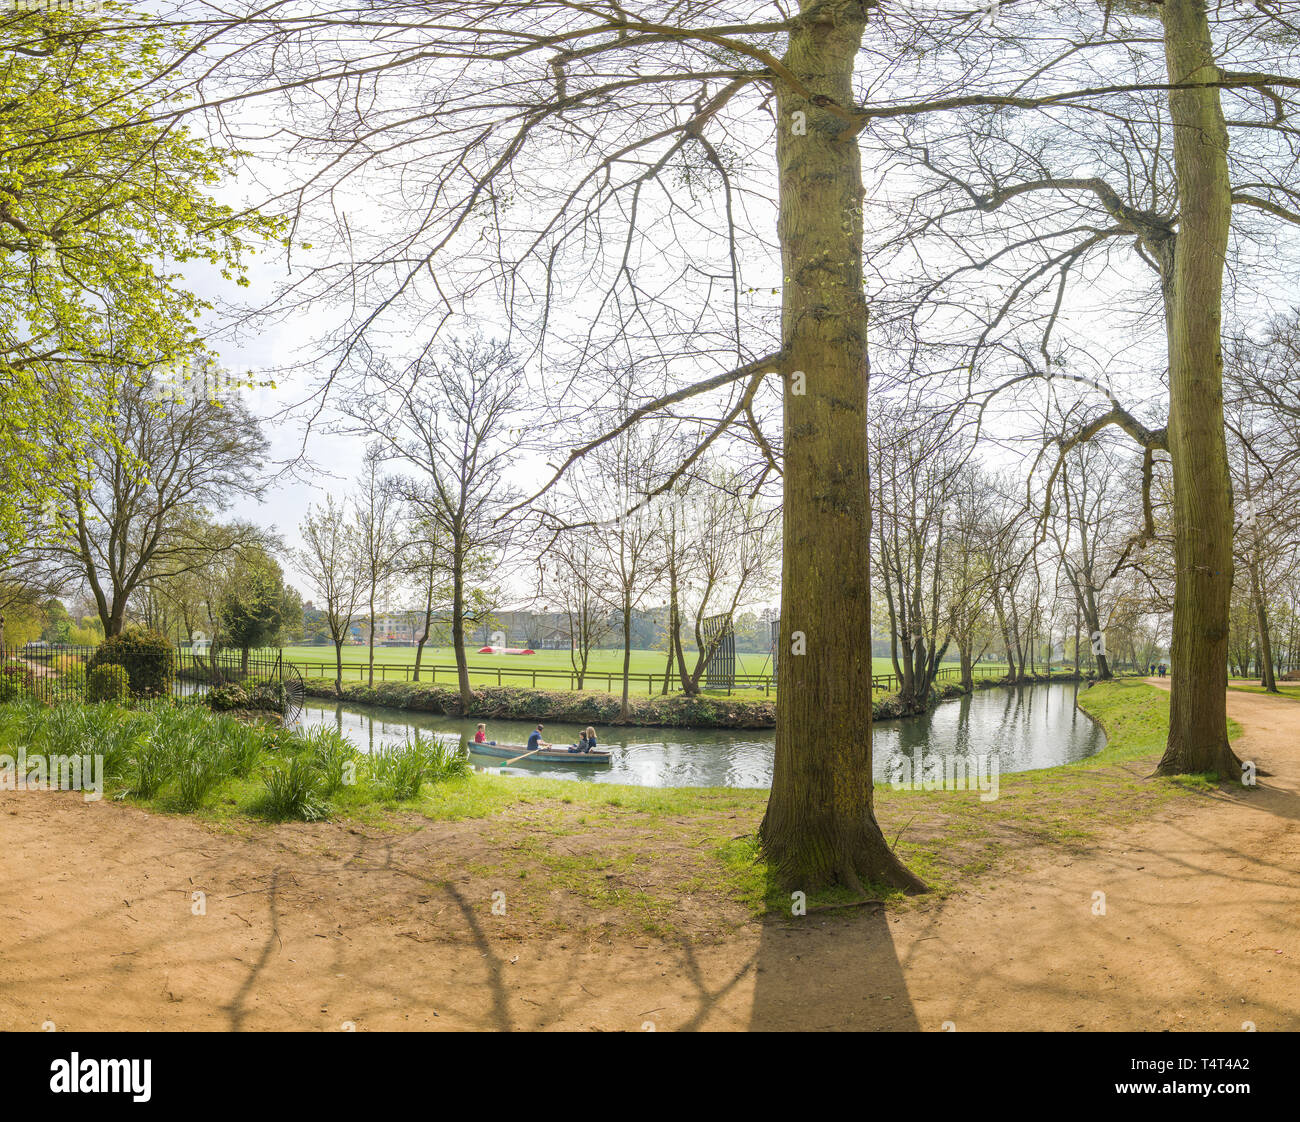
(547, 677)
(53, 673)
(609, 680)
(227, 666)
(50, 673)
(207, 668)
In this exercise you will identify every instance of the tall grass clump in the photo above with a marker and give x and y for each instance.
(151, 764)
(334, 756)
(398, 770)
(241, 745)
(199, 767)
(295, 789)
(112, 732)
(446, 761)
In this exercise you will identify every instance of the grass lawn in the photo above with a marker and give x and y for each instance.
(635, 859)
(1251, 685)
(605, 669)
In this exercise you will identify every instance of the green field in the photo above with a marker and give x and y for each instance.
(553, 668)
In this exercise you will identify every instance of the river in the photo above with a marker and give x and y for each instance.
(1022, 729)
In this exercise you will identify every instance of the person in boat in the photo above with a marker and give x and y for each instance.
(586, 742)
(535, 740)
(480, 734)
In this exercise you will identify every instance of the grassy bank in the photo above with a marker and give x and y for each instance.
(1251, 685)
(702, 711)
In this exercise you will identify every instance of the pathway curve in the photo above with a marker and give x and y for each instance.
(312, 928)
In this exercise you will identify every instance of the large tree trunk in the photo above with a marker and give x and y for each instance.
(820, 827)
(1198, 736)
(338, 667)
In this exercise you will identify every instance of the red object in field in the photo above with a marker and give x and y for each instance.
(506, 650)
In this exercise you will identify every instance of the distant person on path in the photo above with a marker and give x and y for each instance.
(1162, 669)
(535, 740)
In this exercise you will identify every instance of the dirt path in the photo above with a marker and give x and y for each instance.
(333, 926)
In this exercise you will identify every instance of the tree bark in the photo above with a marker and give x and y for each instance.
(458, 628)
(424, 637)
(625, 710)
(371, 678)
(820, 827)
(1198, 735)
(1268, 678)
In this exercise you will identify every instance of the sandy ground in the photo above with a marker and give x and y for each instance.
(336, 927)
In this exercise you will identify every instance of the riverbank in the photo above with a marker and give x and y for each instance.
(702, 711)
(495, 903)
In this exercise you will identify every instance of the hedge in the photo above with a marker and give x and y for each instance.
(147, 655)
(579, 706)
(109, 682)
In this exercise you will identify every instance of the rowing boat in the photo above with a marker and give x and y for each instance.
(556, 755)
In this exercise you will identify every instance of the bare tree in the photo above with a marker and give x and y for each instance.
(1096, 534)
(140, 509)
(425, 560)
(444, 418)
(573, 566)
(377, 508)
(634, 133)
(1153, 171)
(625, 472)
(330, 559)
(719, 548)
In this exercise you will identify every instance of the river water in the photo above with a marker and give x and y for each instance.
(1022, 729)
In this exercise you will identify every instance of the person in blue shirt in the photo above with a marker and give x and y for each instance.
(535, 740)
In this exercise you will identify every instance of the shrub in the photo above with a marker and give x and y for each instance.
(228, 696)
(108, 683)
(265, 693)
(147, 655)
(15, 679)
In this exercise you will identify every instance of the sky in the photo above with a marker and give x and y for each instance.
(272, 348)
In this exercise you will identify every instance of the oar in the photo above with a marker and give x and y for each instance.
(525, 756)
